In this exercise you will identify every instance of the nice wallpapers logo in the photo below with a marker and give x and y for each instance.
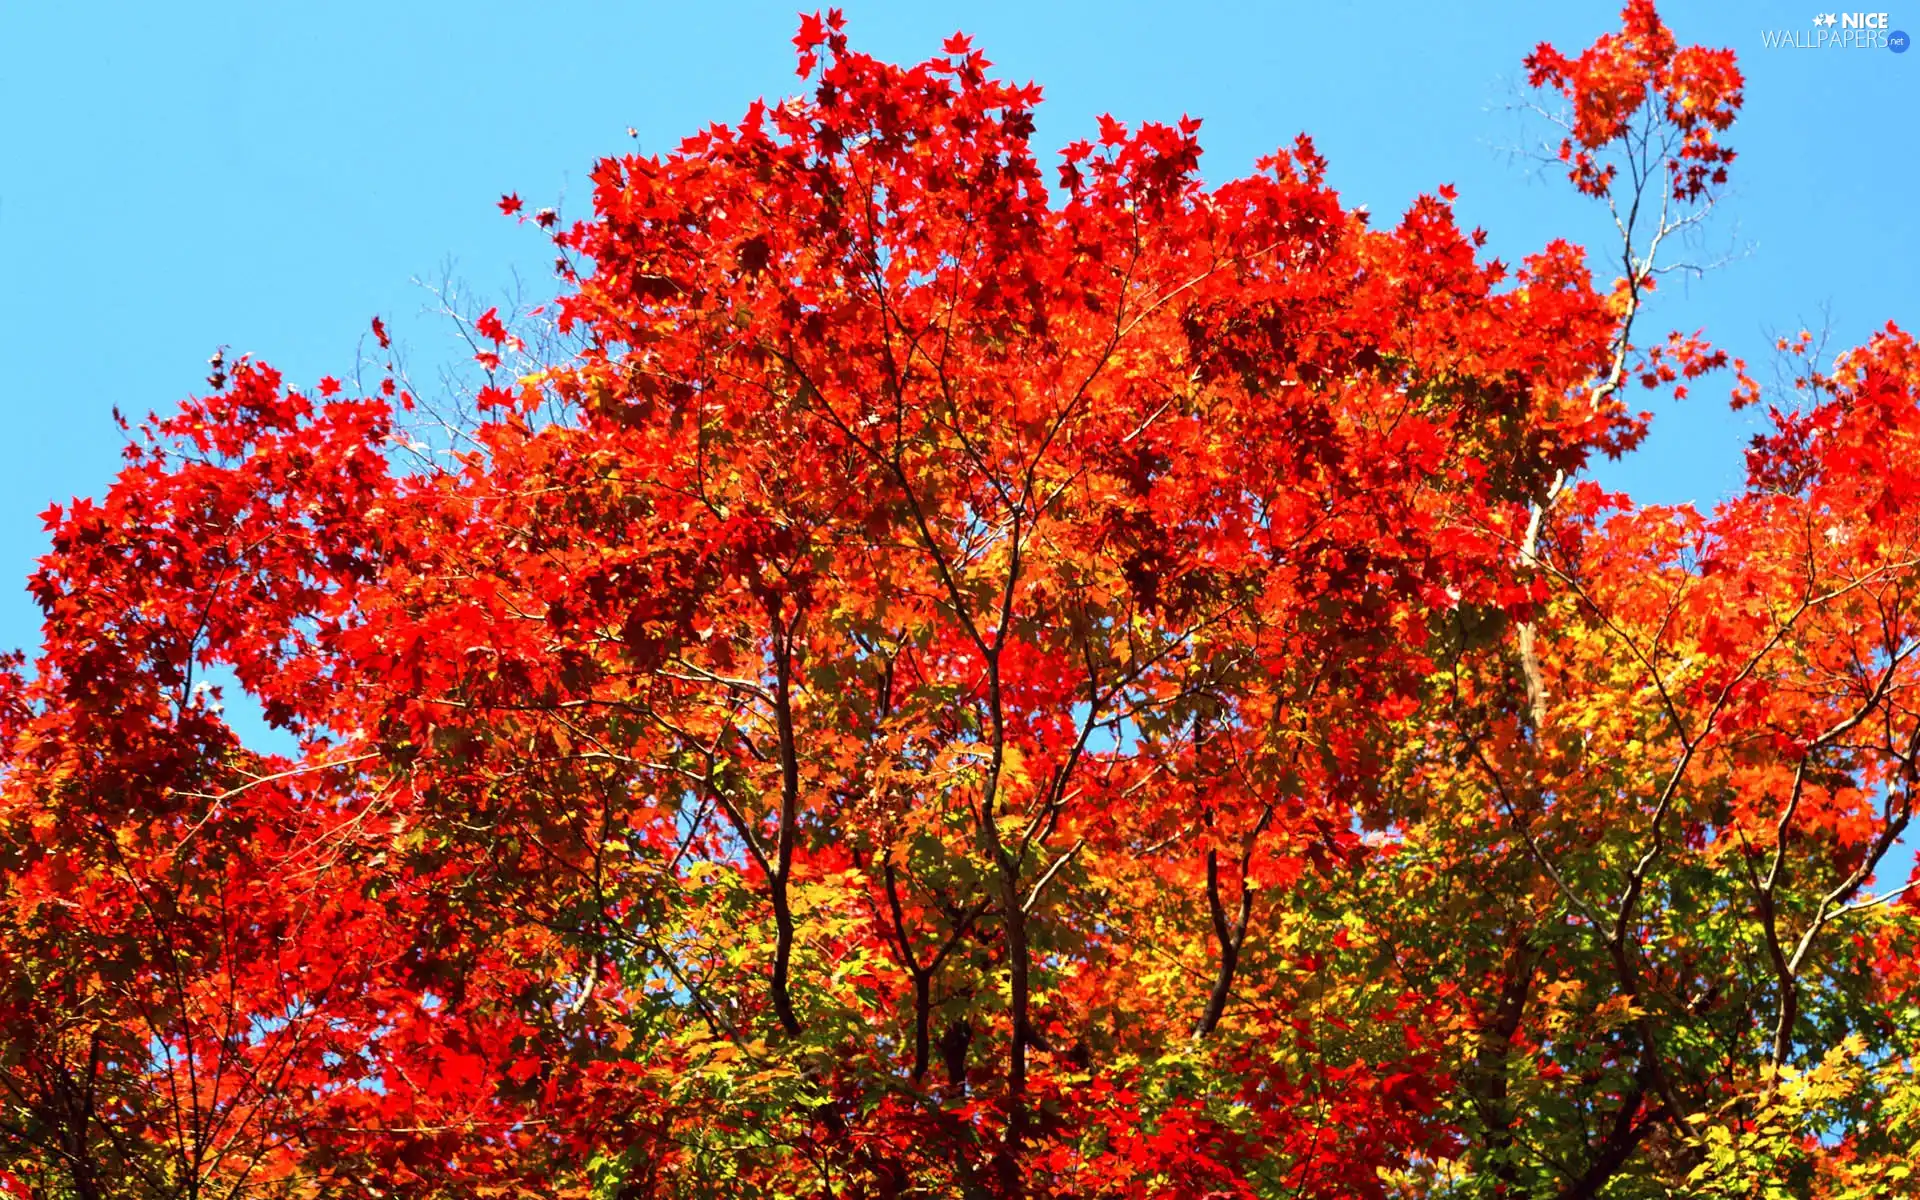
(1840, 31)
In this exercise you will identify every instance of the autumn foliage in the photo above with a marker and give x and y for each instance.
(982, 681)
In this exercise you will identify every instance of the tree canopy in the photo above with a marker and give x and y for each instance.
(945, 678)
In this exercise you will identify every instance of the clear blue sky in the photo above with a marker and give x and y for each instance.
(268, 176)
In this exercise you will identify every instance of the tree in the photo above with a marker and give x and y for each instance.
(962, 688)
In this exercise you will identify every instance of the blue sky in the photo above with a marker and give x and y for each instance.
(270, 176)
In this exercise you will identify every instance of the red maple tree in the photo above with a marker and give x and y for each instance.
(962, 686)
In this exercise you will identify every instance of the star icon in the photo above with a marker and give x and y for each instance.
(1829, 20)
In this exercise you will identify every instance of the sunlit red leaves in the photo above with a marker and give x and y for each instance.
(1694, 93)
(817, 32)
(1683, 357)
(921, 582)
(1267, 438)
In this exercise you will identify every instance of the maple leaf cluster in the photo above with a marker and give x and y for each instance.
(955, 687)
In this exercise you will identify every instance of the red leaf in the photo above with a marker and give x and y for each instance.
(489, 326)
